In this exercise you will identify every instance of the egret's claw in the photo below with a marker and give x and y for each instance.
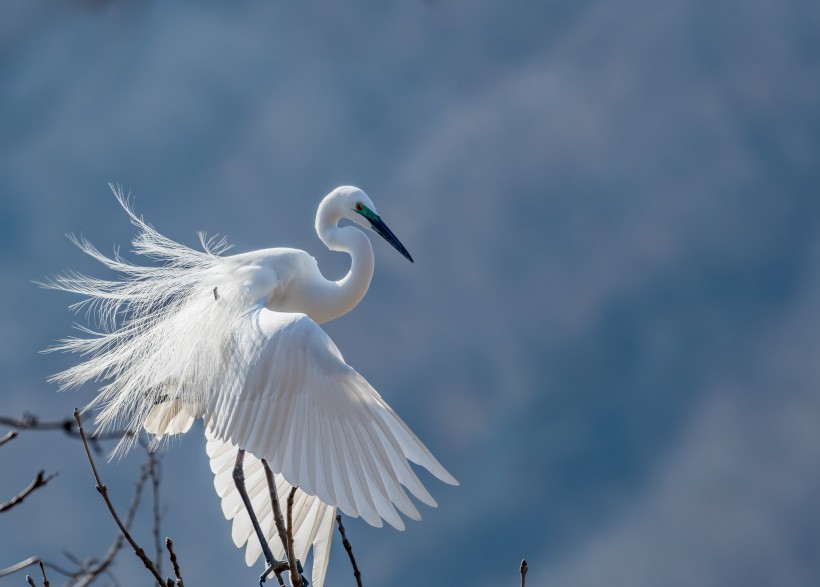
(276, 567)
(299, 568)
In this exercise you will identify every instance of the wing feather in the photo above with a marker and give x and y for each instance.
(319, 423)
(322, 428)
(345, 500)
(381, 495)
(321, 545)
(312, 519)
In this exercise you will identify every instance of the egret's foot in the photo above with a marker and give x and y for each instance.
(299, 568)
(276, 567)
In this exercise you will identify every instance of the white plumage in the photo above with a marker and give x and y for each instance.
(312, 519)
(235, 340)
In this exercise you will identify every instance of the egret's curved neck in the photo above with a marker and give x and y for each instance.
(346, 293)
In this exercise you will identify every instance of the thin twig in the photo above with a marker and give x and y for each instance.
(65, 572)
(349, 550)
(277, 510)
(30, 581)
(8, 437)
(155, 476)
(173, 556)
(524, 570)
(29, 422)
(82, 565)
(19, 566)
(43, 571)
(94, 571)
(39, 481)
(61, 570)
(277, 513)
(295, 577)
(103, 491)
(67, 425)
(34, 560)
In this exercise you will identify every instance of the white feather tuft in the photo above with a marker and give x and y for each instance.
(163, 333)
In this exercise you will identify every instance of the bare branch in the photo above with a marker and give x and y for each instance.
(61, 570)
(34, 560)
(91, 573)
(524, 570)
(295, 577)
(43, 571)
(19, 566)
(29, 422)
(30, 581)
(8, 437)
(39, 481)
(173, 556)
(277, 514)
(67, 425)
(104, 493)
(155, 477)
(349, 550)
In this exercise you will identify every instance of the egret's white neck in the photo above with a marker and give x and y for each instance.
(345, 294)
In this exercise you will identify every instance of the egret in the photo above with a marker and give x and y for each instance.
(235, 340)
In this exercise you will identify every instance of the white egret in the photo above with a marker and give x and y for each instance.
(234, 340)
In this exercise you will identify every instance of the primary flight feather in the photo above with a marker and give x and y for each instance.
(235, 340)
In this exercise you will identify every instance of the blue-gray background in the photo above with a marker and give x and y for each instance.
(612, 329)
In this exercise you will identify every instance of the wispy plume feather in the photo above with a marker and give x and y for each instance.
(160, 333)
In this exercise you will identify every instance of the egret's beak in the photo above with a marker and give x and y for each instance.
(378, 226)
(381, 228)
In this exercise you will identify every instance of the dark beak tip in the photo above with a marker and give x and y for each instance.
(381, 228)
(405, 253)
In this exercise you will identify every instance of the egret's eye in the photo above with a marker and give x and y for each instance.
(358, 206)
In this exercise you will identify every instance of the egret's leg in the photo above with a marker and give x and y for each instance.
(274, 565)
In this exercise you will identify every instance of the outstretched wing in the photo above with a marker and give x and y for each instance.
(318, 422)
(312, 519)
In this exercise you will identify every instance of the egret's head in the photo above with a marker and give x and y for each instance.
(358, 207)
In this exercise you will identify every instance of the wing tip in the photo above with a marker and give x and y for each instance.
(450, 480)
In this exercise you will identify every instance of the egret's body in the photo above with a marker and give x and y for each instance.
(235, 340)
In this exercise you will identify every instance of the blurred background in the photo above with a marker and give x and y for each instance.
(611, 332)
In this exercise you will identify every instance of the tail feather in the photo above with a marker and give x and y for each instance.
(169, 418)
